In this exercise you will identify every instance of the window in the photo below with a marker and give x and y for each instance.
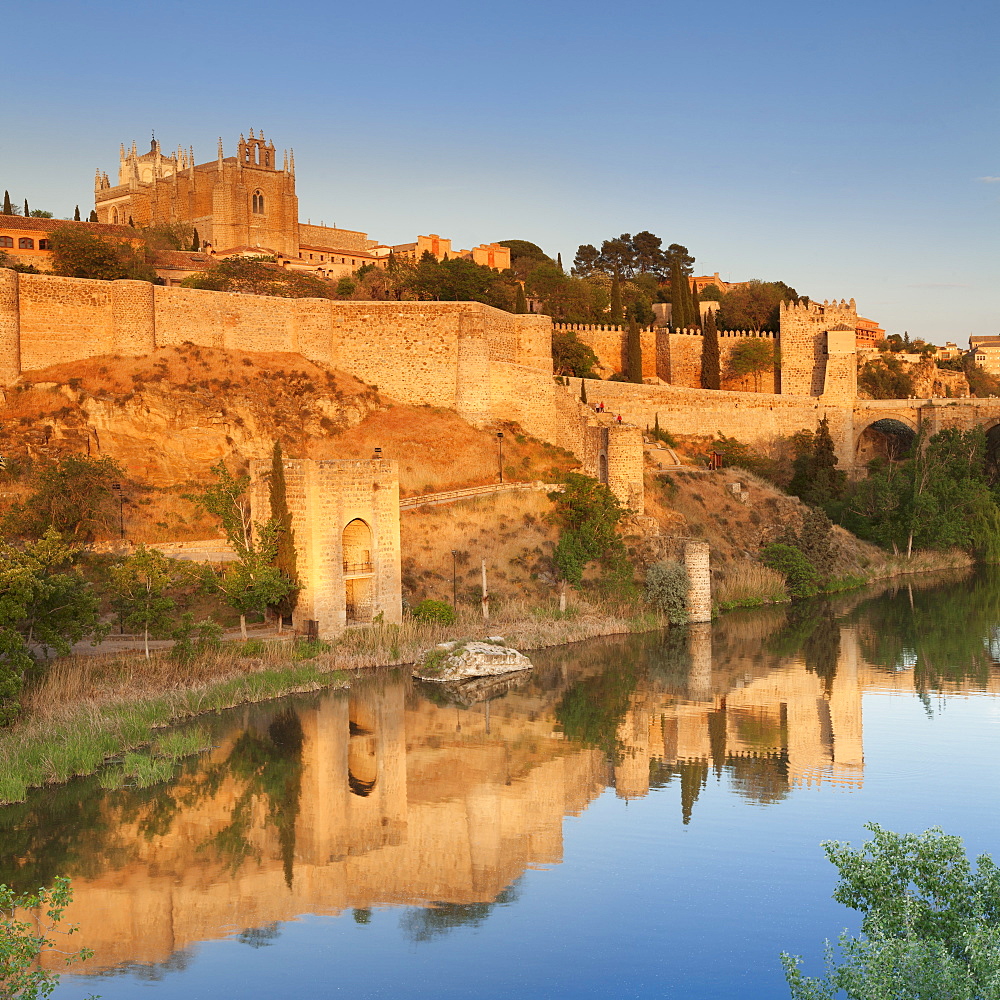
(25, 244)
(44, 245)
(6, 241)
(258, 203)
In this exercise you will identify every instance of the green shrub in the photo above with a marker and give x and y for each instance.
(435, 612)
(307, 649)
(667, 588)
(801, 577)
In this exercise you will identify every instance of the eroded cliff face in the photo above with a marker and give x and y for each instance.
(168, 417)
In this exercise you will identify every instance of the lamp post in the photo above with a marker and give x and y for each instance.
(500, 446)
(454, 579)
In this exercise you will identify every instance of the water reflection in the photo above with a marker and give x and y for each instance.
(390, 795)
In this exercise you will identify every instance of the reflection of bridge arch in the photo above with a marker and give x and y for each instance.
(889, 437)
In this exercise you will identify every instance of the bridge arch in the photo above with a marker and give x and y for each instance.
(889, 437)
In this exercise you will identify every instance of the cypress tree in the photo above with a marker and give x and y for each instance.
(520, 302)
(285, 560)
(711, 363)
(559, 262)
(695, 306)
(76, 214)
(93, 215)
(195, 241)
(27, 214)
(7, 208)
(616, 300)
(633, 352)
(583, 390)
(678, 300)
(131, 222)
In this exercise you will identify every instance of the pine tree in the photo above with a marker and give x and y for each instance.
(285, 560)
(633, 352)
(583, 390)
(76, 214)
(711, 363)
(195, 241)
(7, 207)
(520, 302)
(616, 300)
(93, 215)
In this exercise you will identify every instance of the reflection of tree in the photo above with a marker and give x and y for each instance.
(812, 631)
(591, 711)
(260, 937)
(942, 633)
(425, 923)
(694, 777)
(271, 767)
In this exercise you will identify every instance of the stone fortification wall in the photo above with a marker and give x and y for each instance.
(609, 344)
(673, 356)
(757, 418)
(485, 363)
(805, 330)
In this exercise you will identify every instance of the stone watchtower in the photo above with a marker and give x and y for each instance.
(818, 349)
(345, 520)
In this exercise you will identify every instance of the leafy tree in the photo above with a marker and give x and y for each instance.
(886, 378)
(616, 300)
(754, 305)
(711, 293)
(816, 480)
(345, 288)
(587, 514)
(24, 941)
(140, 588)
(260, 276)
(752, 356)
(801, 577)
(73, 496)
(525, 257)
(938, 498)
(617, 257)
(633, 353)
(80, 253)
(585, 261)
(930, 924)
(667, 588)
(570, 356)
(251, 583)
(981, 383)
(286, 559)
(711, 361)
(44, 603)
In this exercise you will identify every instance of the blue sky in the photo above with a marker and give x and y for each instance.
(840, 147)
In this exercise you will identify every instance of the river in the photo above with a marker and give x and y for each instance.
(639, 817)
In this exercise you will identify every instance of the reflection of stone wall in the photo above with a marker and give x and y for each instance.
(403, 801)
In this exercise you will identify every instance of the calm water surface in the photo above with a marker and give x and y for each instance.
(640, 817)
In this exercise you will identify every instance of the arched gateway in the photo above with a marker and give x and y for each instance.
(345, 519)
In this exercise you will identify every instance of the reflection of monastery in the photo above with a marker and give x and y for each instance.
(383, 797)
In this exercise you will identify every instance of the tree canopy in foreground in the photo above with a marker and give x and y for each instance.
(930, 926)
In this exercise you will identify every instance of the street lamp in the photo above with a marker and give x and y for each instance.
(500, 446)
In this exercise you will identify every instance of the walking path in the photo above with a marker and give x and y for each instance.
(450, 496)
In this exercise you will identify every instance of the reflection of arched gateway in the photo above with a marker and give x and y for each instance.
(345, 521)
(887, 437)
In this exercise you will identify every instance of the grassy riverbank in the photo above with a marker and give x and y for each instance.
(89, 710)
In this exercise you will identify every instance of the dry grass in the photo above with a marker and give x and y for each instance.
(748, 584)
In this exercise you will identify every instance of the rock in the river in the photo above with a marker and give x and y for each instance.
(455, 661)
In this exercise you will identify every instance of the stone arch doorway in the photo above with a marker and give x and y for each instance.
(602, 462)
(358, 571)
(888, 438)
